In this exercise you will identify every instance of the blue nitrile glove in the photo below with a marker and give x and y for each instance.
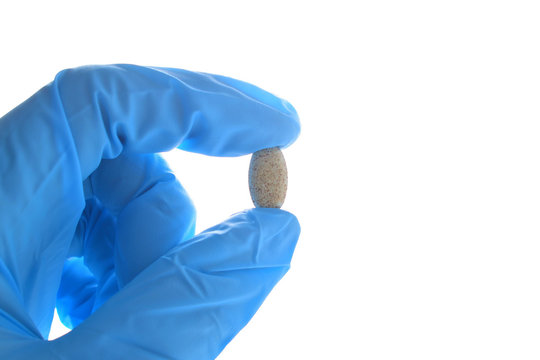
(94, 222)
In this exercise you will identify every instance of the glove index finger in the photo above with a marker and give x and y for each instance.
(232, 117)
(140, 109)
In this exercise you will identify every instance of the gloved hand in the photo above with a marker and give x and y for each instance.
(94, 222)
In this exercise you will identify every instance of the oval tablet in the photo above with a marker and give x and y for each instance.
(268, 178)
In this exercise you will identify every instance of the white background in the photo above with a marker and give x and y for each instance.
(415, 179)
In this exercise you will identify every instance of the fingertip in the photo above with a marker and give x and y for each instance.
(275, 217)
(251, 238)
(230, 117)
(289, 123)
(270, 217)
(280, 228)
(295, 124)
(258, 94)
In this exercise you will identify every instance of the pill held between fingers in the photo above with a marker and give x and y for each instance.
(268, 178)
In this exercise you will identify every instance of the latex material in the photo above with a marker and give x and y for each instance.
(94, 222)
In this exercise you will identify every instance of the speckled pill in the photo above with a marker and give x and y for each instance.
(268, 178)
